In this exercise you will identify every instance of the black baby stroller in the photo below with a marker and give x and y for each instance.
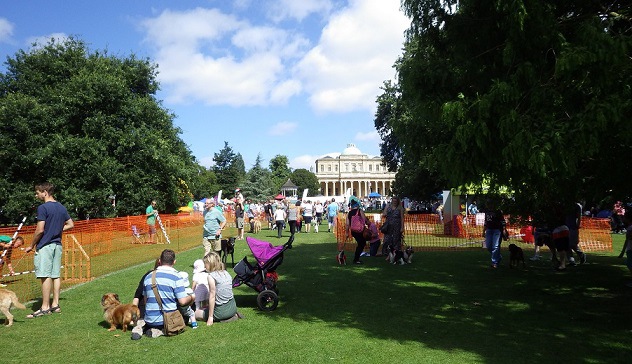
(262, 277)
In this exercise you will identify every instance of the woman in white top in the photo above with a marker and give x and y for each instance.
(307, 210)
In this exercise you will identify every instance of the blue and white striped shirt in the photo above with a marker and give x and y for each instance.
(170, 287)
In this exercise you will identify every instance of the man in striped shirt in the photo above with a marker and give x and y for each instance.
(171, 290)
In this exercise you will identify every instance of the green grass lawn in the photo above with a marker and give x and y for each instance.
(446, 307)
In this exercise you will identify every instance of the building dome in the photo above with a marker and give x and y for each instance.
(351, 149)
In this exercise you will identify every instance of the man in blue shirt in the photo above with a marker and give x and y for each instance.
(172, 293)
(52, 220)
(332, 211)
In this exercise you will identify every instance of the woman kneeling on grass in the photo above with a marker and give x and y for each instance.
(222, 307)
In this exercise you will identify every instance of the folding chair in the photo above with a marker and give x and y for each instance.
(138, 236)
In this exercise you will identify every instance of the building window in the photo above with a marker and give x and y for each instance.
(329, 168)
(322, 168)
(353, 167)
(370, 168)
(336, 167)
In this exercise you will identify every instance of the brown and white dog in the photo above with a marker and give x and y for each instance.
(8, 299)
(515, 256)
(118, 314)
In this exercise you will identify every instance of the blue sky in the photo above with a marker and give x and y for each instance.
(292, 77)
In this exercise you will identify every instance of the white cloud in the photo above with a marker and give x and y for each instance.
(371, 136)
(355, 54)
(206, 55)
(283, 128)
(303, 161)
(298, 10)
(6, 30)
(43, 40)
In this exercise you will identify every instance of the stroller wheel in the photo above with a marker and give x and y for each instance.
(267, 300)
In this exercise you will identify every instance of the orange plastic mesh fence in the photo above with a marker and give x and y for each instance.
(99, 246)
(428, 232)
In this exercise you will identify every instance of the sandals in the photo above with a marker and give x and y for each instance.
(55, 309)
(39, 313)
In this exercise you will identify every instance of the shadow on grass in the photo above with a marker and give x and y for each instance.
(453, 301)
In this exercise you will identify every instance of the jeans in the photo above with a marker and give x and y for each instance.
(360, 248)
(279, 226)
(492, 242)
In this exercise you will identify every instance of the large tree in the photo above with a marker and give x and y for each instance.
(279, 166)
(531, 95)
(229, 168)
(89, 123)
(258, 185)
(303, 179)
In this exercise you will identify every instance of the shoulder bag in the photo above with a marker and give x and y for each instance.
(173, 321)
(357, 223)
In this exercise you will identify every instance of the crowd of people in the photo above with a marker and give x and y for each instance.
(210, 298)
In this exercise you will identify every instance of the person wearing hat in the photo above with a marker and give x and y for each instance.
(214, 222)
(354, 209)
(200, 288)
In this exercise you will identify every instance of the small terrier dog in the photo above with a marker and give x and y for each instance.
(516, 255)
(118, 314)
(400, 257)
(315, 226)
(228, 247)
(8, 299)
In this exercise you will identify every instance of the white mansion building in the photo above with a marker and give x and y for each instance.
(336, 172)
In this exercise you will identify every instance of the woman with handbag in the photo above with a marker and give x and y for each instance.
(356, 223)
(393, 217)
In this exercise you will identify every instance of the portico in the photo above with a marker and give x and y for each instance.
(353, 169)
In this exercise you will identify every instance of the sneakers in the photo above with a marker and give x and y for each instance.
(534, 258)
(153, 333)
(136, 336)
(358, 262)
(2, 285)
(194, 325)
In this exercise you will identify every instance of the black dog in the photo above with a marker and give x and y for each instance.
(515, 256)
(228, 247)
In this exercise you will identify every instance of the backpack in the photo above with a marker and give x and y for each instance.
(357, 223)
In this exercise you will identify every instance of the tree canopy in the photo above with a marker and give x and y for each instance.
(303, 179)
(530, 96)
(89, 123)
